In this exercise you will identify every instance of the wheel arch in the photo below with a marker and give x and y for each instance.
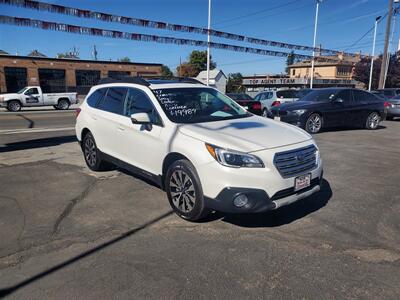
(64, 98)
(168, 161)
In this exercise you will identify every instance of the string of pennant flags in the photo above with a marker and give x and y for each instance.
(89, 14)
(55, 26)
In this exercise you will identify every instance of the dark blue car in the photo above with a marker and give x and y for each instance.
(332, 107)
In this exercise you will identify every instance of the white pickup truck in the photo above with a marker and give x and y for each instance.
(33, 96)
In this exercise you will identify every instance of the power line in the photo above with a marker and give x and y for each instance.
(256, 12)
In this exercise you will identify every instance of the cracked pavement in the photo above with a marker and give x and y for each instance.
(67, 232)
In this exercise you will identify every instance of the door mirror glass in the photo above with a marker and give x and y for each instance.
(141, 118)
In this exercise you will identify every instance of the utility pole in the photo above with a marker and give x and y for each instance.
(208, 42)
(315, 40)
(373, 54)
(385, 51)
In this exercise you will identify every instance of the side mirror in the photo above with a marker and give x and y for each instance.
(141, 118)
(338, 100)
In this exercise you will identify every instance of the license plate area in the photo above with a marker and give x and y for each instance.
(302, 182)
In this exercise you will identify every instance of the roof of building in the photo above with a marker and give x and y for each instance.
(36, 53)
(213, 74)
(2, 52)
(328, 61)
(74, 60)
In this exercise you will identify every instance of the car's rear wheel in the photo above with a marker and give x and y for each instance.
(63, 104)
(265, 113)
(314, 123)
(92, 154)
(373, 121)
(14, 105)
(184, 191)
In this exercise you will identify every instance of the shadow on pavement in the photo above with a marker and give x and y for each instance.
(7, 291)
(37, 143)
(283, 215)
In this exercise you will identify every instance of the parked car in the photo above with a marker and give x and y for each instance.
(272, 98)
(33, 96)
(200, 146)
(389, 93)
(247, 102)
(333, 107)
(393, 109)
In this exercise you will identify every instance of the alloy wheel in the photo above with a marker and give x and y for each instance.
(14, 106)
(182, 191)
(90, 152)
(314, 123)
(373, 120)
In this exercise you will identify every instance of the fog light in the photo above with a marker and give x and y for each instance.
(240, 200)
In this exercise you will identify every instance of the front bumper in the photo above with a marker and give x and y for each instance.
(393, 112)
(3, 104)
(258, 200)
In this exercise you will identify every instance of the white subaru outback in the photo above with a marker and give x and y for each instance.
(200, 146)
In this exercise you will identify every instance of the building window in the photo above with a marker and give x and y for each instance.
(343, 70)
(16, 78)
(87, 78)
(118, 74)
(294, 72)
(52, 80)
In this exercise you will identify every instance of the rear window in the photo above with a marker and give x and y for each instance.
(239, 97)
(95, 97)
(287, 94)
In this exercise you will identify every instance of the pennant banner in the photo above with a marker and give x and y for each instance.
(143, 37)
(81, 13)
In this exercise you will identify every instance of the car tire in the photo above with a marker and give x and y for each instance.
(14, 105)
(314, 123)
(184, 191)
(265, 113)
(63, 104)
(92, 154)
(372, 121)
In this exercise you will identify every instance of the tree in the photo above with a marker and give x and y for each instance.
(166, 72)
(198, 59)
(186, 70)
(363, 68)
(393, 76)
(290, 60)
(125, 59)
(234, 84)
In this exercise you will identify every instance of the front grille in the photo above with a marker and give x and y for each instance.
(295, 162)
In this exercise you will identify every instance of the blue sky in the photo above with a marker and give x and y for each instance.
(342, 22)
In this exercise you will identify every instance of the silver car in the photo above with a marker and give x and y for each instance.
(393, 108)
(272, 98)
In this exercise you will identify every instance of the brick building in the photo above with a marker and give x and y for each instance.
(57, 75)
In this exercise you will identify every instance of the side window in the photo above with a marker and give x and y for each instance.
(32, 91)
(388, 93)
(137, 102)
(360, 96)
(397, 92)
(269, 95)
(95, 97)
(345, 95)
(113, 101)
(257, 97)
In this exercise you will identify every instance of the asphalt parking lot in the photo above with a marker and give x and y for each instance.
(67, 232)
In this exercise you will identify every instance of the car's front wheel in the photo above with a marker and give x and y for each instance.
(184, 191)
(63, 104)
(373, 121)
(314, 123)
(14, 105)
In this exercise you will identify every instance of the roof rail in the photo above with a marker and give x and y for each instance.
(178, 79)
(125, 79)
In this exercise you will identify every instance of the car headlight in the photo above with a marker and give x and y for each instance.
(298, 111)
(234, 159)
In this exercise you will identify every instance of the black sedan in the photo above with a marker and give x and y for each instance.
(333, 107)
(247, 102)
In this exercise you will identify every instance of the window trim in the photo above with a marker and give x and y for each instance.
(151, 102)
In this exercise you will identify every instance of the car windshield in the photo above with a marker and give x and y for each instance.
(22, 90)
(320, 95)
(239, 97)
(194, 105)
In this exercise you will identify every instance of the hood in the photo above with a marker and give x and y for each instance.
(247, 134)
(10, 96)
(296, 105)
